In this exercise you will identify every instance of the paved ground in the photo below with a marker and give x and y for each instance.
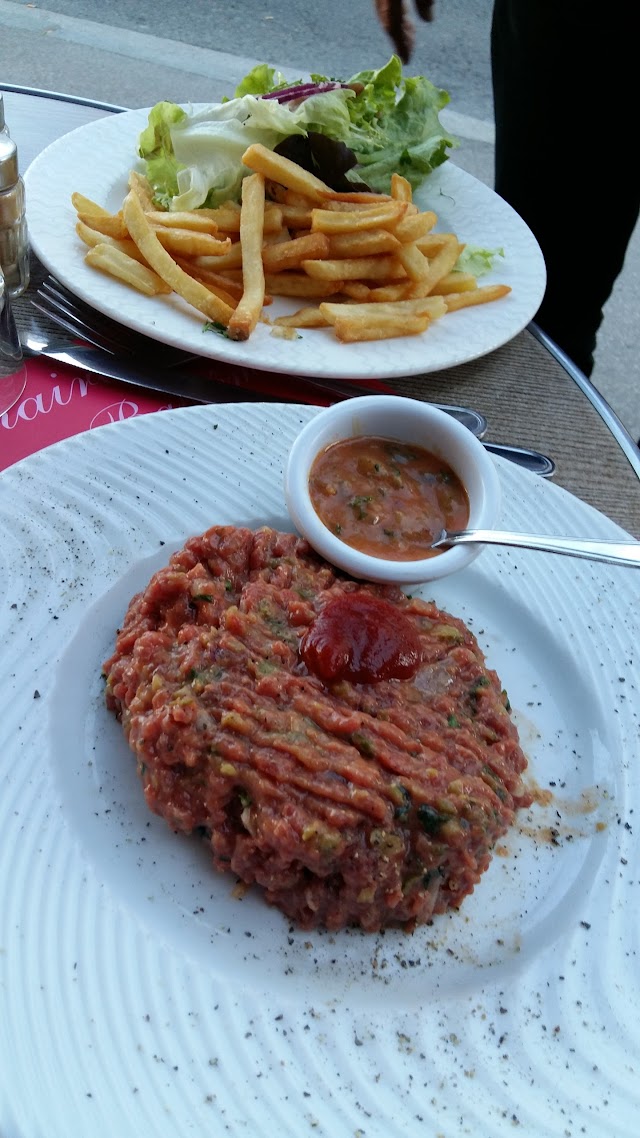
(135, 55)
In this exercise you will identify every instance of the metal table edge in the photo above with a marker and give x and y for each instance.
(597, 400)
(40, 93)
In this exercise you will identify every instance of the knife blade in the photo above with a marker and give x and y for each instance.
(203, 387)
(200, 388)
(186, 386)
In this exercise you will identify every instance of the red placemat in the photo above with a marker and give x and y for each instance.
(59, 402)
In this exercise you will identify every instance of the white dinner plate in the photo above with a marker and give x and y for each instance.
(95, 160)
(139, 997)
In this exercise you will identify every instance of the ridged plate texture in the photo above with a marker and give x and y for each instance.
(139, 997)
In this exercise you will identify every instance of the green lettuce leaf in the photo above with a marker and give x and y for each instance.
(196, 160)
(474, 259)
(390, 123)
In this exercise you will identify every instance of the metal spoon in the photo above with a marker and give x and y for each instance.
(614, 552)
(531, 460)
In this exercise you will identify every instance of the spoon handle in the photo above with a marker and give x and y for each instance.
(613, 552)
(531, 460)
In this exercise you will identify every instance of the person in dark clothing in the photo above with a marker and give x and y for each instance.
(566, 121)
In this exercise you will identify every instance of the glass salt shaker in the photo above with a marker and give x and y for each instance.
(14, 240)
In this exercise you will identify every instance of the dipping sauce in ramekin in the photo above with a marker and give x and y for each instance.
(386, 498)
(409, 426)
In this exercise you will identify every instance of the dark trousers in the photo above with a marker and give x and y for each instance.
(565, 81)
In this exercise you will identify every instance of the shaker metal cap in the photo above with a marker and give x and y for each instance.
(1, 112)
(8, 162)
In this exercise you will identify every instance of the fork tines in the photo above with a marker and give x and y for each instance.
(78, 318)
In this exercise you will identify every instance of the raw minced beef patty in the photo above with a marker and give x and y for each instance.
(370, 804)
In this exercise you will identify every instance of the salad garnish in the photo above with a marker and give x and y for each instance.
(354, 133)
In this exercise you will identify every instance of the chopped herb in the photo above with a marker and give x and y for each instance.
(453, 721)
(431, 875)
(364, 745)
(359, 505)
(215, 326)
(228, 585)
(202, 597)
(431, 819)
(337, 529)
(403, 800)
(474, 690)
(506, 700)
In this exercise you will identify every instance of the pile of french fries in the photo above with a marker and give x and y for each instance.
(370, 266)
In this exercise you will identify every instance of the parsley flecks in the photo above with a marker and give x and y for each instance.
(431, 819)
(359, 505)
(215, 326)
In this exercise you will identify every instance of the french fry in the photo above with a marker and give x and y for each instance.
(143, 190)
(357, 322)
(308, 317)
(365, 243)
(226, 217)
(230, 260)
(432, 243)
(385, 214)
(287, 173)
(291, 254)
(184, 219)
(296, 216)
(115, 263)
(414, 263)
(111, 224)
(299, 284)
(247, 314)
(481, 295)
(429, 306)
(214, 280)
(357, 290)
(355, 268)
(382, 294)
(190, 242)
(442, 263)
(455, 281)
(357, 197)
(350, 331)
(85, 205)
(92, 237)
(195, 293)
(413, 226)
(401, 188)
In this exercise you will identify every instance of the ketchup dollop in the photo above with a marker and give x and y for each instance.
(362, 638)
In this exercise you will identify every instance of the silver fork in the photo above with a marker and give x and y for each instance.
(80, 320)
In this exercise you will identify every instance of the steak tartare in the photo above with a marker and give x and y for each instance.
(341, 745)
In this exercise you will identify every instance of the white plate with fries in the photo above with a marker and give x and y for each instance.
(362, 270)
